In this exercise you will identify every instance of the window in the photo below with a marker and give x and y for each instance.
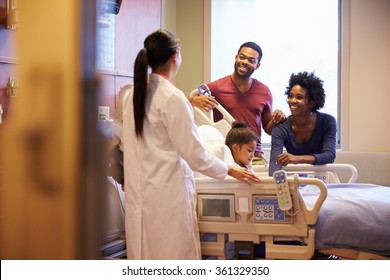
(105, 42)
(295, 35)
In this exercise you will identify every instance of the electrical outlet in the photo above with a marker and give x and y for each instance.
(103, 113)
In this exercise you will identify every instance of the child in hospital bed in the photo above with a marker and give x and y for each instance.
(242, 144)
(237, 148)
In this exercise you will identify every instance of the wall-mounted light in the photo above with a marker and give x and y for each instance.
(12, 14)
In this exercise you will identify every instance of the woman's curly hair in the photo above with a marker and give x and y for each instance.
(313, 85)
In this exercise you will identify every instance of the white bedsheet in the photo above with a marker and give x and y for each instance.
(353, 216)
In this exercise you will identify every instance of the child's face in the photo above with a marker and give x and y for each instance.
(244, 154)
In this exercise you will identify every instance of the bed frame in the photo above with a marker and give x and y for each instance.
(245, 229)
(331, 173)
(207, 118)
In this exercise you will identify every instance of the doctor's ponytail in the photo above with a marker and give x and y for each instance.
(158, 48)
(140, 83)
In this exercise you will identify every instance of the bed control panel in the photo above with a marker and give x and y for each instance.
(282, 190)
(324, 177)
(266, 210)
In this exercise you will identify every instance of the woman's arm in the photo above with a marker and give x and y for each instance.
(277, 144)
(329, 130)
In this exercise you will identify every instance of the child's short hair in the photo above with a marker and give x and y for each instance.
(239, 134)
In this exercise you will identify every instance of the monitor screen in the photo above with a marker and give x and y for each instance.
(216, 207)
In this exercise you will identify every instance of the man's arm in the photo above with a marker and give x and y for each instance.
(203, 102)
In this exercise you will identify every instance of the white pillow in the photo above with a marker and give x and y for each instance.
(210, 135)
(215, 143)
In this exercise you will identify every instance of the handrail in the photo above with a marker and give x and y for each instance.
(330, 167)
(226, 115)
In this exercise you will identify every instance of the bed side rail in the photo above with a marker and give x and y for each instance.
(201, 117)
(328, 171)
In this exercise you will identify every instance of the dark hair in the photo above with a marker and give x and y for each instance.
(253, 46)
(313, 85)
(158, 48)
(239, 134)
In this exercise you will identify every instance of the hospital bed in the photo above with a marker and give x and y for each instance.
(353, 222)
(349, 220)
(250, 215)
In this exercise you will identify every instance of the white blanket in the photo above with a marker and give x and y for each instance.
(353, 216)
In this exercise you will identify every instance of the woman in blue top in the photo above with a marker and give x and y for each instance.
(308, 135)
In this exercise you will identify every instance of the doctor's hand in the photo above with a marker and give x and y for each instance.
(243, 174)
(203, 102)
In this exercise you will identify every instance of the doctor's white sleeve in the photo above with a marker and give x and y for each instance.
(183, 133)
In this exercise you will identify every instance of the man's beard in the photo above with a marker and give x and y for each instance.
(247, 74)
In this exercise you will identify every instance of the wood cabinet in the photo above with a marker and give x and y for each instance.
(136, 19)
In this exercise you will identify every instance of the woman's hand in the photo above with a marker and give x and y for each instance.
(243, 174)
(287, 158)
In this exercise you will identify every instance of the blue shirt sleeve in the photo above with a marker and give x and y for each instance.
(329, 132)
(278, 137)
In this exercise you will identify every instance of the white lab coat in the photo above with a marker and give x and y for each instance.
(160, 195)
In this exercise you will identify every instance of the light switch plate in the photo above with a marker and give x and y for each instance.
(103, 113)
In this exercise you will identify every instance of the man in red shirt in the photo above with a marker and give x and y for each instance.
(245, 98)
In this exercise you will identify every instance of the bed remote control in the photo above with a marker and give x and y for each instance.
(282, 190)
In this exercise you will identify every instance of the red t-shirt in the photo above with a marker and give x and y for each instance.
(247, 107)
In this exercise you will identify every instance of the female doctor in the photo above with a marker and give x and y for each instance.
(161, 148)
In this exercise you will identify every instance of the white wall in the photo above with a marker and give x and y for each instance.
(365, 74)
(189, 28)
(168, 17)
(369, 95)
